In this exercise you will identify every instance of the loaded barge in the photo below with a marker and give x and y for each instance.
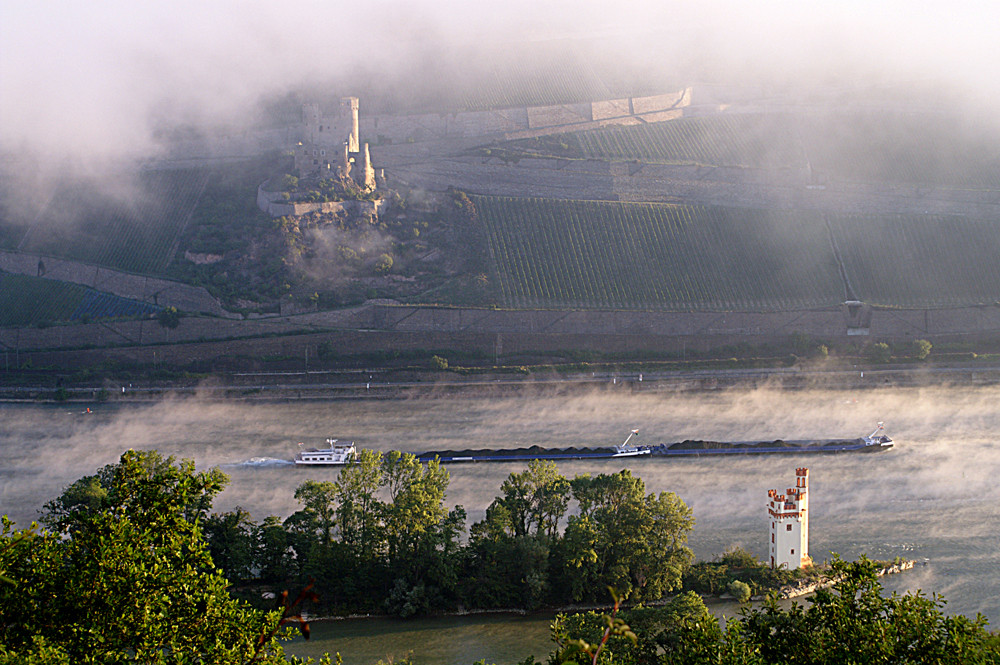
(875, 442)
(536, 452)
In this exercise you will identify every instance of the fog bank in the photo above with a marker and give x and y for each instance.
(97, 82)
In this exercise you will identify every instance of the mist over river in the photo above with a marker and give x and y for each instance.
(934, 497)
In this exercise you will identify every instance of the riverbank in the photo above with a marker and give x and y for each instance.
(41, 386)
(783, 592)
(497, 636)
(805, 588)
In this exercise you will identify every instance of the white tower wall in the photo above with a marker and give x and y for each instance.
(789, 519)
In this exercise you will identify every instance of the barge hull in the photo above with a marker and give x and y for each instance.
(682, 449)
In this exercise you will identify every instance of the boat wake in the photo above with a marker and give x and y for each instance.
(260, 462)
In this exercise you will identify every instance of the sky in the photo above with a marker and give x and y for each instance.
(93, 80)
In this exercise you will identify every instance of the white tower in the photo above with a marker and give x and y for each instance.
(349, 122)
(789, 513)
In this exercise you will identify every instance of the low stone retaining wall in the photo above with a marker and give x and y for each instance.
(273, 204)
(806, 588)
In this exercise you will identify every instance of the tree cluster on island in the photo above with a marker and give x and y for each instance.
(133, 567)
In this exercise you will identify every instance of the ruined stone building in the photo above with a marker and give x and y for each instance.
(333, 145)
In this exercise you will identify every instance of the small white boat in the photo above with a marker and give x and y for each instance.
(336, 454)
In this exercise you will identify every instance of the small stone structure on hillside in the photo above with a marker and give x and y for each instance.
(789, 512)
(333, 145)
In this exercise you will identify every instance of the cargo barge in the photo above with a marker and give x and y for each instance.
(340, 454)
(875, 442)
(537, 452)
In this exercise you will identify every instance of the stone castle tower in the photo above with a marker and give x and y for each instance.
(333, 145)
(789, 513)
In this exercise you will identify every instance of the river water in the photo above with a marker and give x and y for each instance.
(933, 498)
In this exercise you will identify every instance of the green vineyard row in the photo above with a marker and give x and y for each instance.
(611, 255)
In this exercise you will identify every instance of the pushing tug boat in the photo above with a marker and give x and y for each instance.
(340, 454)
(880, 441)
(337, 454)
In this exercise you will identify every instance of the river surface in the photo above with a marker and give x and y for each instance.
(934, 497)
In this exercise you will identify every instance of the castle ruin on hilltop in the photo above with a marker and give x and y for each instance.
(789, 513)
(333, 145)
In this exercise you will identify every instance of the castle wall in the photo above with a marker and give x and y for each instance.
(519, 122)
(271, 203)
(610, 108)
(657, 103)
(540, 117)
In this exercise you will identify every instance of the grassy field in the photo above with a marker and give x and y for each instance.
(30, 300)
(27, 301)
(581, 254)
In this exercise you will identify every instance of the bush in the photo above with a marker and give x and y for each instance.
(289, 183)
(383, 264)
(169, 317)
(879, 352)
(921, 349)
(739, 590)
(437, 362)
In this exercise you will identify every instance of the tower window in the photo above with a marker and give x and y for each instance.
(788, 527)
(793, 551)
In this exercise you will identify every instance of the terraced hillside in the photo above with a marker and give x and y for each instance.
(584, 254)
(926, 261)
(592, 255)
(924, 148)
(134, 230)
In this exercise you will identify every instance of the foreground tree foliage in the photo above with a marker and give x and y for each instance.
(129, 572)
(124, 576)
(852, 622)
